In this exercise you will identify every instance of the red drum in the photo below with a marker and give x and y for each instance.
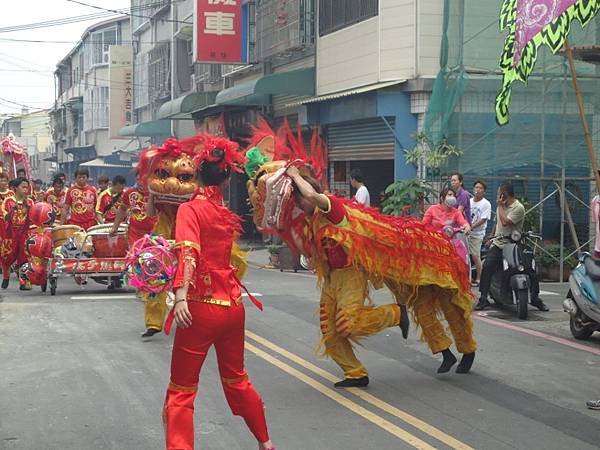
(106, 246)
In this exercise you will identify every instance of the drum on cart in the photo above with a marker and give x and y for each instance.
(107, 246)
(61, 233)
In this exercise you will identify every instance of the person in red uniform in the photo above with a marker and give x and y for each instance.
(56, 196)
(80, 202)
(134, 202)
(208, 311)
(110, 200)
(5, 192)
(37, 194)
(15, 211)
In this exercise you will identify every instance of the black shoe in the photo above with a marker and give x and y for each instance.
(352, 382)
(150, 332)
(539, 304)
(5, 283)
(482, 304)
(404, 321)
(593, 404)
(466, 363)
(448, 362)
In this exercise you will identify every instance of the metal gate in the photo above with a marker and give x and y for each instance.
(368, 139)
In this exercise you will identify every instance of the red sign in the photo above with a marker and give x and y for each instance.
(219, 32)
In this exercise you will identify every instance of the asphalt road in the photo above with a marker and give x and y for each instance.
(75, 374)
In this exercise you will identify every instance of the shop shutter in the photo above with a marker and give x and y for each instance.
(369, 139)
(280, 103)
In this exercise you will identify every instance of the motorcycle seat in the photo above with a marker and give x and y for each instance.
(592, 268)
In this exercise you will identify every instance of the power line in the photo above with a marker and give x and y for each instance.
(159, 4)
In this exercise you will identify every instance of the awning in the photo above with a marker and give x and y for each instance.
(51, 159)
(99, 162)
(258, 92)
(346, 93)
(182, 107)
(83, 148)
(151, 128)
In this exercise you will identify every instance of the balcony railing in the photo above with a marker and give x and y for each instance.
(282, 27)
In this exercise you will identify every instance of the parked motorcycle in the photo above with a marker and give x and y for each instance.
(583, 299)
(511, 284)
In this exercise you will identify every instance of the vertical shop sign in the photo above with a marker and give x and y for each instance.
(220, 33)
(120, 92)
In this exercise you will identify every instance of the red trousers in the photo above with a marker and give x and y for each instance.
(222, 327)
(13, 249)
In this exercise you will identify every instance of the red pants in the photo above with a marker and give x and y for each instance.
(223, 327)
(13, 249)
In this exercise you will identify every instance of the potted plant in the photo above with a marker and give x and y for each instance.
(274, 252)
(407, 197)
(549, 262)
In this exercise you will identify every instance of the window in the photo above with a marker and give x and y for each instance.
(95, 106)
(141, 96)
(101, 42)
(337, 14)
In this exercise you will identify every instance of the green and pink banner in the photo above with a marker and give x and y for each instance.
(531, 23)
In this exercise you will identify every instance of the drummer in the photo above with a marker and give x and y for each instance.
(80, 202)
(103, 182)
(134, 202)
(110, 200)
(56, 196)
(38, 193)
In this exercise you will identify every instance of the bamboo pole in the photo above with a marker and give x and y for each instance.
(584, 124)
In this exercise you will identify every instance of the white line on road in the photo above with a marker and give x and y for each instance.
(255, 294)
(101, 297)
(548, 293)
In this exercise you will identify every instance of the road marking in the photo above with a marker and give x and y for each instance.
(347, 403)
(548, 293)
(539, 334)
(369, 398)
(102, 297)
(255, 294)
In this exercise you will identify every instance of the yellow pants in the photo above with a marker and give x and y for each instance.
(345, 318)
(155, 310)
(429, 301)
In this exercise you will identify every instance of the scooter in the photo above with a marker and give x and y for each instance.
(583, 299)
(511, 284)
(461, 244)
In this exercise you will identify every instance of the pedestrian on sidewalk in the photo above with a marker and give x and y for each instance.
(481, 212)
(208, 306)
(357, 181)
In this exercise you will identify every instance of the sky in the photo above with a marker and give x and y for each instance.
(26, 68)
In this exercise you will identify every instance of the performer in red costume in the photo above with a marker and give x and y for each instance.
(15, 211)
(134, 202)
(80, 202)
(56, 196)
(110, 200)
(208, 305)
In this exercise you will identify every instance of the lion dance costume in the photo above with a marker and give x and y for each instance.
(351, 245)
(205, 233)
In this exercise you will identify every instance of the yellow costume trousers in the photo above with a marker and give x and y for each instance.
(155, 310)
(430, 300)
(345, 318)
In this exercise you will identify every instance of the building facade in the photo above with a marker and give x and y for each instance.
(81, 114)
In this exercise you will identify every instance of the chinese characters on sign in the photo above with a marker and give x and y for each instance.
(220, 34)
(120, 74)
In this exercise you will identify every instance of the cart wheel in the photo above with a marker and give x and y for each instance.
(44, 286)
(52, 286)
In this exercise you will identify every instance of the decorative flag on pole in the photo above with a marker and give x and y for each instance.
(531, 23)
